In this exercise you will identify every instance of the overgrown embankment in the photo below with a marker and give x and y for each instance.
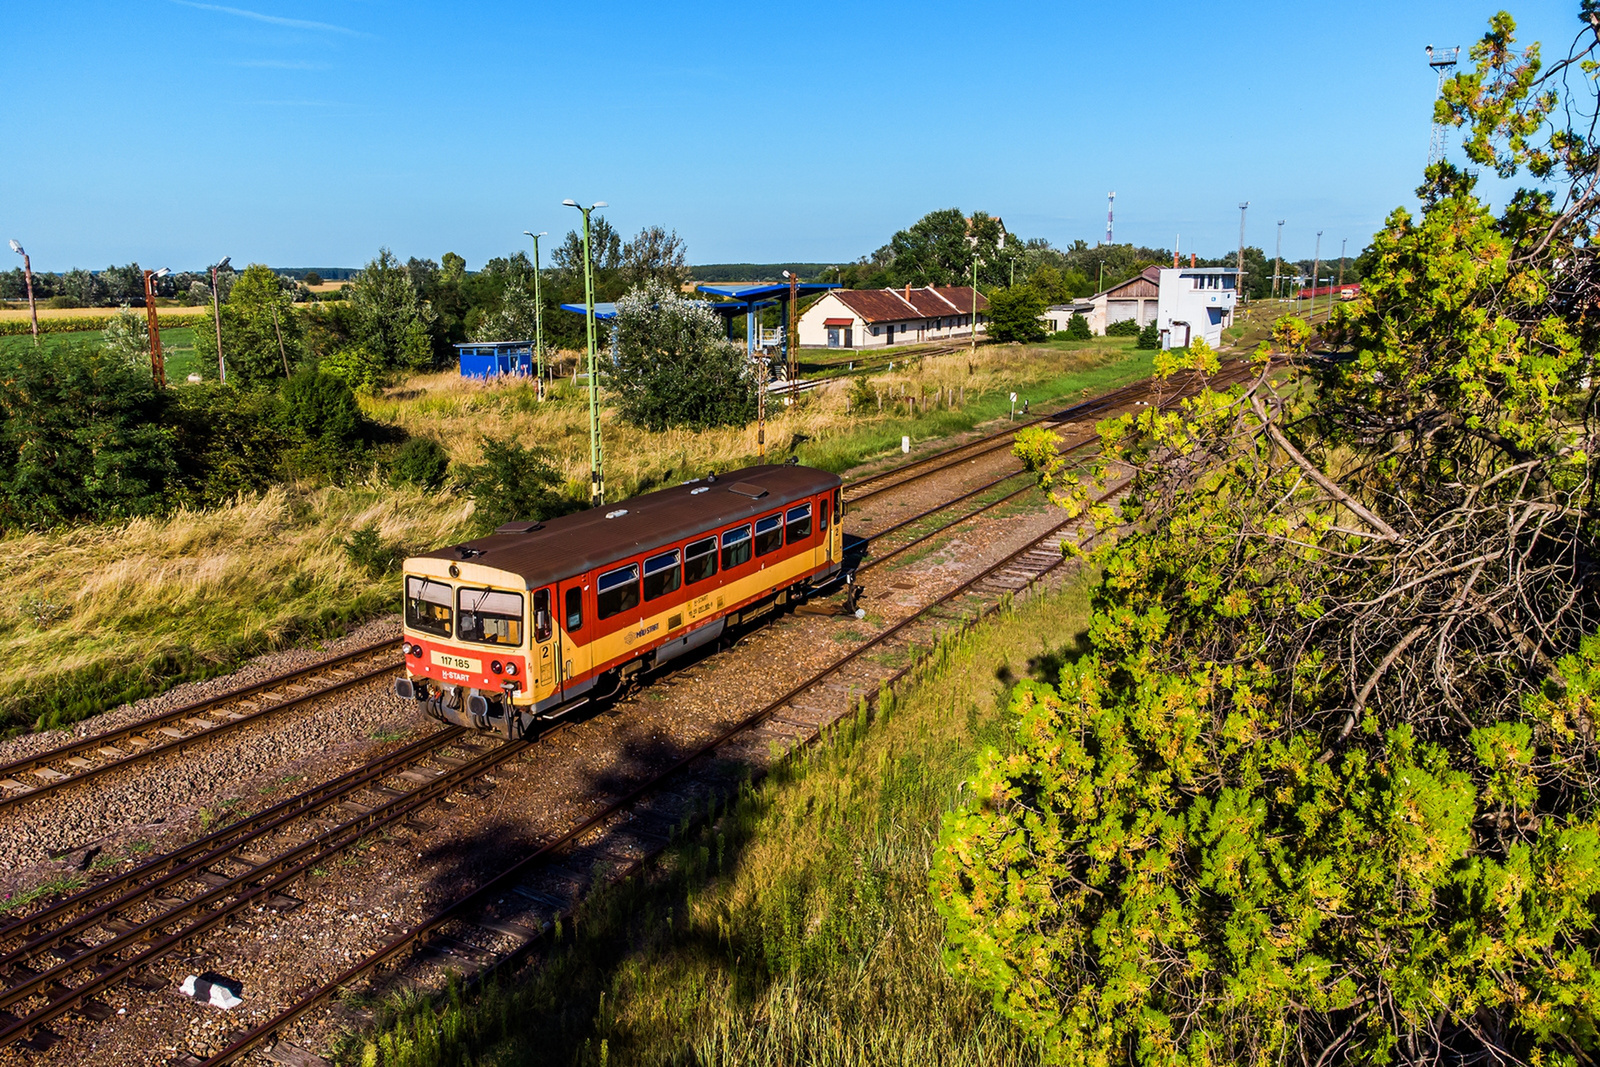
(797, 926)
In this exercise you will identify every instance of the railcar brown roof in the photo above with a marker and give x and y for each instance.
(573, 544)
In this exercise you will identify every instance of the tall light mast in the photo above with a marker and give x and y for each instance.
(1111, 202)
(1442, 60)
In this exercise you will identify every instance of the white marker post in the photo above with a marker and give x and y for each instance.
(1013, 407)
(905, 445)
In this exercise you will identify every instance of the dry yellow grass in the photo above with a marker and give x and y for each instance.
(13, 312)
(98, 608)
(458, 412)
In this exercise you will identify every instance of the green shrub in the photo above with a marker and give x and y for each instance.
(1150, 336)
(513, 482)
(322, 408)
(1078, 328)
(863, 396)
(1014, 315)
(420, 461)
(368, 550)
(1123, 328)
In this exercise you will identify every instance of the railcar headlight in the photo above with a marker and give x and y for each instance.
(415, 650)
(495, 666)
(511, 669)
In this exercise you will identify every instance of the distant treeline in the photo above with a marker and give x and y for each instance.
(761, 272)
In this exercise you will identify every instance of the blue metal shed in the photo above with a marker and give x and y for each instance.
(486, 359)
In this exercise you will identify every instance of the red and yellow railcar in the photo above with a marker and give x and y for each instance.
(510, 628)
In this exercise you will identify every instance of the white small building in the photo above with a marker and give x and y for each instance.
(1196, 302)
(1134, 298)
(1056, 316)
(877, 318)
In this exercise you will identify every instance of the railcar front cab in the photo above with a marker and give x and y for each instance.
(471, 657)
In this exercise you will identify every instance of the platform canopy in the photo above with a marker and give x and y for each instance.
(756, 295)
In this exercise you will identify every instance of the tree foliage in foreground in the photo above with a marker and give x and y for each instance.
(675, 367)
(1325, 786)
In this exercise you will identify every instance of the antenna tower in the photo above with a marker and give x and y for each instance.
(1111, 200)
(1442, 60)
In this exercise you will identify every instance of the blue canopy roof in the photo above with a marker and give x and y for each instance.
(608, 310)
(602, 310)
(758, 290)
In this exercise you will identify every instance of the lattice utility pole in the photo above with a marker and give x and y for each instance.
(1442, 60)
(1111, 202)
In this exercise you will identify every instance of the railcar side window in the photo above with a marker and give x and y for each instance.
(825, 503)
(769, 534)
(838, 504)
(428, 606)
(797, 524)
(489, 617)
(574, 609)
(700, 560)
(541, 615)
(617, 591)
(735, 547)
(662, 575)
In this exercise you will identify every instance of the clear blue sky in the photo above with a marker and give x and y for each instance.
(309, 134)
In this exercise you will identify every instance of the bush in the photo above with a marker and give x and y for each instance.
(513, 482)
(367, 549)
(1150, 336)
(1014, 315)
(1123, 328)
(863, 396)
(81, 437)
(420, 461)
(322, 408)
(1078, 328)
(674, 367)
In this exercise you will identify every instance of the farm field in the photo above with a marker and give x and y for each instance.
(117, 610)
(798, 928)
(11, 311)
(177, 345)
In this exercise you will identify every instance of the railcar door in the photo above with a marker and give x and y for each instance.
(574, 648)
(545, 646)
(827, 534)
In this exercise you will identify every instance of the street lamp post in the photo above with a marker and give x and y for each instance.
(158, 364)
(1277, 260)
(597, 483)
(216, 319)
(538, 309)
(27, 273)
(972, 347)
(791, 339)
(1316, 266)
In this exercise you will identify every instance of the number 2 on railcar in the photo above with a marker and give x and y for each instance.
(508, 629)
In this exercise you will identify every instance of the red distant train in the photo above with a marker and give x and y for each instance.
(511, 628)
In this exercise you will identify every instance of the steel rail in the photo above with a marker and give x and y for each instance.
(178, 744)
(155, 874)
(245, 889)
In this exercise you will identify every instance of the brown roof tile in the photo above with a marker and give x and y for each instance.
(877, 305)
(961, 297)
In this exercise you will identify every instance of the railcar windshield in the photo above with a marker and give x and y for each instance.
(428, 606)
(490, 617)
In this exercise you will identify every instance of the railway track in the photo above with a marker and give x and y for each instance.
(55, 961)
(43, 774)
(865, 488)
(648, 811)
(114, 930)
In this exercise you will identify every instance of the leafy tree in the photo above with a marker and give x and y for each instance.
(80, 437)
(514, 482)
(127, 338)
(1325, 786)
(932, 251)
(1014, 315)
(655, 255)
(82, 289)
(258, 313)
(674, 367)
(312, 278)
(391, 320)
(1078, 328)
(228, 441)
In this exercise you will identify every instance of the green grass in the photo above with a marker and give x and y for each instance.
(1123, 365)
(177, 347)
(66, 883)
(795, 926)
